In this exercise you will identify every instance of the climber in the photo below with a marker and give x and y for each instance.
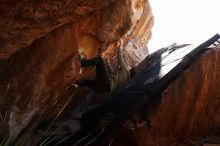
(105, 81)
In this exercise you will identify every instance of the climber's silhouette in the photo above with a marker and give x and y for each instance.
(105, 81)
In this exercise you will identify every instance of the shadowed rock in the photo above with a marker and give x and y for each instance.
(39, 45)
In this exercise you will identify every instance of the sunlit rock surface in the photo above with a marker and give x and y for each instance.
(39, 45)
(189, 110)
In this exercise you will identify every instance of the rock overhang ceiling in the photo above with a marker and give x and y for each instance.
(40, 42)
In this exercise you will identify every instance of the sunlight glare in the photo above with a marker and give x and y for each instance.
(183, 21)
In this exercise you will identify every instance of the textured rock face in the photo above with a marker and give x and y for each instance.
(22, 22)
(40, 42)
(189, 112)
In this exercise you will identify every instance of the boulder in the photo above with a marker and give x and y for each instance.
(39, 46)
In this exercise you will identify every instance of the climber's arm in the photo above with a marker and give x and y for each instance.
(91, 62)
